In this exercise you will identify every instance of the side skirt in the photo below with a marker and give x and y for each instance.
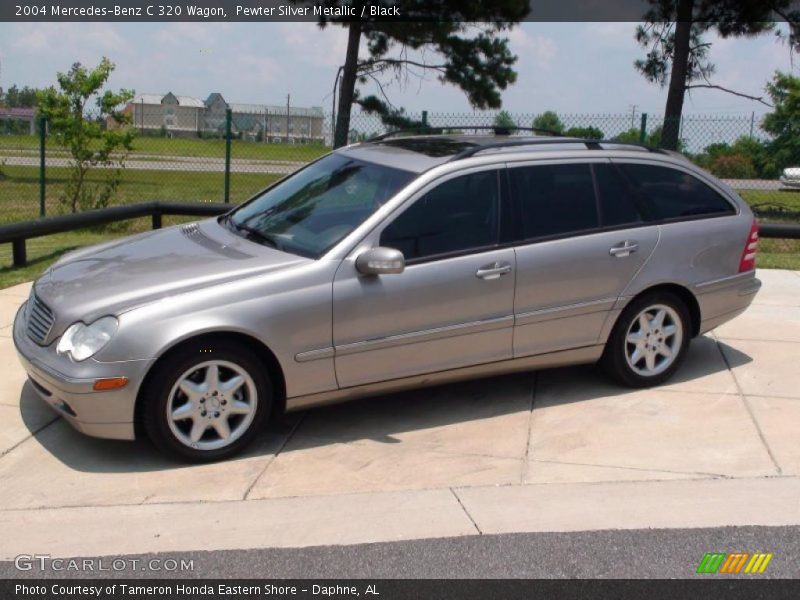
(588, 354)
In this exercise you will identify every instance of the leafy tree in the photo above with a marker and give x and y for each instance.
(630, 136)
(88, 140)
(461, 34)
(504, 119)
(653, 138)
(586, 133)
(747, 156)
(14, 97)
(678, 56)
(784, 121)
(548, 121)
(735, 166)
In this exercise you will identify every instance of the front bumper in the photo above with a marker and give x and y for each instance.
(790, 181)
(67, 386)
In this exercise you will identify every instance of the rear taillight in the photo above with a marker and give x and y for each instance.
(748, 262)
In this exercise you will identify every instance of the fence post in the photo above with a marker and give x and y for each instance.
(228, 119)
(19, 257)
(425, 118)
(42, 141)
(156, 218)
(643, 129)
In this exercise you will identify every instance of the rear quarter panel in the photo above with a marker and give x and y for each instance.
(703, 256)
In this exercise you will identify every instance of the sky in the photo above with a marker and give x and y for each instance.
(572, 68)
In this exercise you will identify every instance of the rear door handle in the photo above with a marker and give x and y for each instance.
(493, 271)
(624, 249)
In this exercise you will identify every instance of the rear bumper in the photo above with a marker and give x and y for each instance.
(68, 387)
(723, 299)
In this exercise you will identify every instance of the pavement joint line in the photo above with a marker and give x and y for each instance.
(275, 455)
(32, 435)
(700, 474)
(740, 339)
(466, 512)
(797, 398)
(384, 492)
(526, 461)
(750, 412)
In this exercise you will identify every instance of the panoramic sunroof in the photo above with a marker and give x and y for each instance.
(434, 147)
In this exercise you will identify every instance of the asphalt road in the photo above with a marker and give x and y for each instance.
(168, 163)
(618, 554)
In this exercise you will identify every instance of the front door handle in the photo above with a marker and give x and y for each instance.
(624, 249)
(493, 271)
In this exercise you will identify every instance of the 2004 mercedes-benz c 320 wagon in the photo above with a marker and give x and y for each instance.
(389, 264)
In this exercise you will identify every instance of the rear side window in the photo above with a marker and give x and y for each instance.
(618, 205)
(672, 194)
(459, 215)
(554, 199)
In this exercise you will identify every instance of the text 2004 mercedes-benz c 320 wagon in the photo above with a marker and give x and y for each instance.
(384, 265)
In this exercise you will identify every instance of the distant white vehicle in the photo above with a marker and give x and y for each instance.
(791, 177)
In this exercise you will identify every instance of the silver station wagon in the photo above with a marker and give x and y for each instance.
(399, 262)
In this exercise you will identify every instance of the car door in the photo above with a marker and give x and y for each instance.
(583, 239)
(453, 304)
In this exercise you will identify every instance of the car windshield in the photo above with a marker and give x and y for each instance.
(312, 210)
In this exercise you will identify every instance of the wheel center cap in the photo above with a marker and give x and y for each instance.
(213, 403)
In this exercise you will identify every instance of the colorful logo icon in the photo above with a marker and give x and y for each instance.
(734, 563)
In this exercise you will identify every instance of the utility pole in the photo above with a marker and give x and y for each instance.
(633, 108)
(288, 99)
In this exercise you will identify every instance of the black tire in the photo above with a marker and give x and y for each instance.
(614, 361)
(164, 377)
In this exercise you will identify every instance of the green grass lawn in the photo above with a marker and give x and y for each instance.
(19, 189)
(190, 147)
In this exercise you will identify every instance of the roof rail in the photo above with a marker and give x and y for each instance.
(590, 145)
(497, 129)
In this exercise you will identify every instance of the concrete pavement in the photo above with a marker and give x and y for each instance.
(556, 450)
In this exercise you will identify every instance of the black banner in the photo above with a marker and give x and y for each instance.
(391, 589)
(289, 10)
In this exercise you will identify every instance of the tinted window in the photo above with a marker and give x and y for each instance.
(458, 215)
(673, 194)
(617, 206)
(554, 199)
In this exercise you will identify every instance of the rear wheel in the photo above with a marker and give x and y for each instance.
(649, 340)
(207, 403)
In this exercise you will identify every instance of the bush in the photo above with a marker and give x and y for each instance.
(734, 166)
(587, 133)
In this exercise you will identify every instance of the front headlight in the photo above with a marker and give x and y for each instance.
(82, 341)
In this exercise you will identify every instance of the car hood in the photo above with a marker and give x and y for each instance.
(121, 275)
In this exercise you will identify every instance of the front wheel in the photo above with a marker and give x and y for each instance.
(207, 403)
(649, 341)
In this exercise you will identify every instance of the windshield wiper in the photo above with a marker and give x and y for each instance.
(253, 233)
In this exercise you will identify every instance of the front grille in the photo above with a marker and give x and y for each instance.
(40, 320)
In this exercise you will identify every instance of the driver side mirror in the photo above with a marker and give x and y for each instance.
(380, 261)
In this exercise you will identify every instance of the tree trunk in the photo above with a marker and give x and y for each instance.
(677, 79)
(348, 85)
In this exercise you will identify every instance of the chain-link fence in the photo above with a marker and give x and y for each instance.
(243, 149)
(237, 150)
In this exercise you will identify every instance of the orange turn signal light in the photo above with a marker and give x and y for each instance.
(112, 383)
